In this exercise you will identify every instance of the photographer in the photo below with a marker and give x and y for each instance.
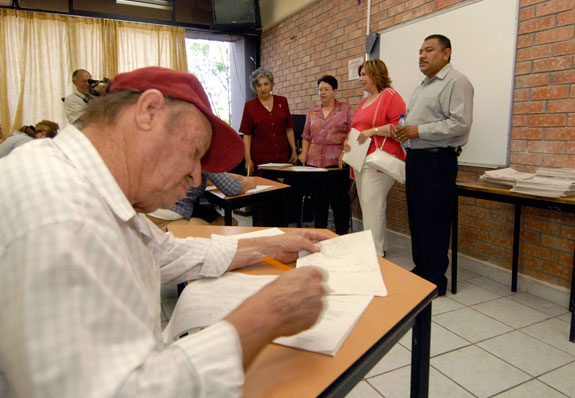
(84, 89)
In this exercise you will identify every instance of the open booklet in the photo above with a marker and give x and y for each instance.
(347, 257)
(355, 157)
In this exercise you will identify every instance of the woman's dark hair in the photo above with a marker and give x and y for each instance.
(329, 79)
(30, 130)
(49, 126)
(376, 69)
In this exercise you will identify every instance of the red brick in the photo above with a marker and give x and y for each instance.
(540, 225)
(518, 120)
(529, 236)
(518, 146)
(552, 92)
(566, 18)
(526, 261)
(525, 3)
(552, 64)
(536, 25)
(554, 7)
(526, 13)
(541, 79)
(554, 242)
(529, 107)
(556, 134)
(555, 120)
(557, 147)
(556, 270)
(559, 161)
(565, 259)
(525, 40)
(523, 68)
(526, 133)
(554, 35)
(538, 251)
(561, 106)
(570, 148)
(528, 53)
(563, 48)
(491, 250)
(520, 95)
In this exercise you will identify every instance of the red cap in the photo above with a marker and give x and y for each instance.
(226, 149)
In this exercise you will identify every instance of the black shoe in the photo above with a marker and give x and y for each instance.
(383, 254)
(441, 290)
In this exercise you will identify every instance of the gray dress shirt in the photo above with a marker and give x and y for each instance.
(442, 107)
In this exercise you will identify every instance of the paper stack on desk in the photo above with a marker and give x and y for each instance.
(354, 278)
(504, 177)
(546, 186)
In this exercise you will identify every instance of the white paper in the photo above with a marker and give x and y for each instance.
(307, 168)
(257, 189)
(257, 234)
(355, 157)
(274, 165)
(351, 263)
(335, 324)
(207, 301)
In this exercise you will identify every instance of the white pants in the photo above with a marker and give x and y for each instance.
(372, 190)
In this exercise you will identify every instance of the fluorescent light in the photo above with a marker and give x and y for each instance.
(157, 4)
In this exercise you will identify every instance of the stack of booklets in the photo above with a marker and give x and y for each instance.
(550, 187)
(562, 173)
(504, 177)
(354, 279)
(274, 165)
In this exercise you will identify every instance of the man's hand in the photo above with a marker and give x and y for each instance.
(405, 133)
(290, 304)
(284, 247)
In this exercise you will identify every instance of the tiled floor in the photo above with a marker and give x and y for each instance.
(485, 342)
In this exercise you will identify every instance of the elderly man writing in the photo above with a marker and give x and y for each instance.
(81, 269)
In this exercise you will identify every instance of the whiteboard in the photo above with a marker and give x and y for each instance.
(483, 38)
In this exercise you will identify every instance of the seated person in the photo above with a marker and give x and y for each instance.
(46, 129)
(19, 137)
(184, 211)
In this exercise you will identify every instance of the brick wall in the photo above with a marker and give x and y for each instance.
(323, 37)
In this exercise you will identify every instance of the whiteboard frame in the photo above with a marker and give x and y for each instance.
(483, 34)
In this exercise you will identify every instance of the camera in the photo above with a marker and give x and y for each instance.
(94, 83)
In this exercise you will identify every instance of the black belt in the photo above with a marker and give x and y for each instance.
(437, 149)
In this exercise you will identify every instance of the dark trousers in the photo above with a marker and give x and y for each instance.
(334, 191)
(430, 189)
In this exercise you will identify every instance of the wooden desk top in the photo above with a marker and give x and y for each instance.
(261, 181)
(481, 187)
(288, 372)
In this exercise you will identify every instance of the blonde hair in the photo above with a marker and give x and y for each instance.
(376, 69)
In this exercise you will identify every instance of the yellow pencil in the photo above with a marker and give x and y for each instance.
(275, 263)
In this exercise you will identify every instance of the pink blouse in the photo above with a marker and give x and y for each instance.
(326, 135)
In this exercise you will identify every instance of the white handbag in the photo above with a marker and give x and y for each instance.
(387, 163)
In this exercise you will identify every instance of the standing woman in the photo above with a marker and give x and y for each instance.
(375, 117)
(325, 131)
(267, 124)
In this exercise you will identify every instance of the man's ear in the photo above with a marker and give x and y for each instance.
(149, 107)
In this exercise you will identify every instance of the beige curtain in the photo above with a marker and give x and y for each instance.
(40, 51)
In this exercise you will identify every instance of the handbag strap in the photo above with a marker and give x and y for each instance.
(375, 116)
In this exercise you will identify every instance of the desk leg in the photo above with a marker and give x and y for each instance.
(572, 302)
(516, 238)
(454, 237)
(420, 351)
(228, 216)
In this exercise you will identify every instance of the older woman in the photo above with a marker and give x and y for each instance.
(325, 131)
(375, 117)
(267, 124)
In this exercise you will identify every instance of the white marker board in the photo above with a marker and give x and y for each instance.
(483, 37)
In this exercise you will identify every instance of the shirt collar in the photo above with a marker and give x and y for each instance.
(84, 156)
(441, 74)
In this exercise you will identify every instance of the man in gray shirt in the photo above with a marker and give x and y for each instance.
(439, 118)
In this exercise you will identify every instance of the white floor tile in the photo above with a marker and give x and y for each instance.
(444, 304)
(463, 274)
(565, 317)
(469, 294)
(562, 379)
(552, 331)
(471, 325)
(478, 371)
(442, 340)
(363, 390)
(396, 384)
(511, 312)
(491, 285)
(539, 304)
(396, 358)
(532, 388)
(526, 353)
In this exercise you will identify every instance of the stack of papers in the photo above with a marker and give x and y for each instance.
(257, 189)
(354, 277)
(563, 173)
(274, 165)
(546, 186)
(504, 177)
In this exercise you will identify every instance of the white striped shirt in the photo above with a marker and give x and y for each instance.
(80, 276)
